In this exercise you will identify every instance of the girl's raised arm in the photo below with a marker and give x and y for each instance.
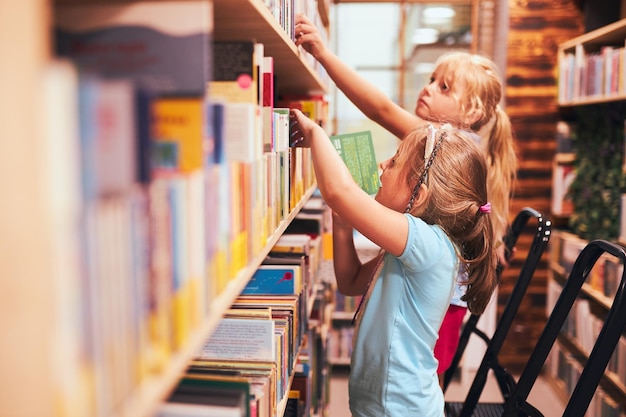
(344, 196)
(365, 95)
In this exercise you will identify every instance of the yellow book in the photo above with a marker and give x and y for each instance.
(177, 130)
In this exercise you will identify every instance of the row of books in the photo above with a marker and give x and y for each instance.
(265, 339)
(241, 388)
(585, 74)
(605, 276)
(583, 327)
(284, 11)
(167, 193)
(340, 343)
(562, 366)
(584, 322)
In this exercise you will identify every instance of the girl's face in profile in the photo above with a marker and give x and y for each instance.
(394, 191)
(439, 101)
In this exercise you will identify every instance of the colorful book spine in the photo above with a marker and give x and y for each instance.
(275, 279)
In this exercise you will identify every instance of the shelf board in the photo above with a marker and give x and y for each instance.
(612, 34)
(339, 361)
(610, 381)
(599, 299)
(250, 19)
(593, 100)
(564, 157)
(155, 389)
(343, 315)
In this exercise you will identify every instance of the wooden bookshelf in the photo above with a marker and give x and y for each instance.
(30, 314)
(613, 388)
(612, 35)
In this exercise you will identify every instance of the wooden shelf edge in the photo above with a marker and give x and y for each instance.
(593, 100)
(342, 315)
(610, 379)
(600, 35)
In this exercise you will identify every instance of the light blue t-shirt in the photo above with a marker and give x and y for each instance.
(393, 368)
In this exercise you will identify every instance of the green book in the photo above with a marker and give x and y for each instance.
(357, 151)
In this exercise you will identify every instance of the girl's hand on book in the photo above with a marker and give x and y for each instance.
(300, 129)
(308, 36)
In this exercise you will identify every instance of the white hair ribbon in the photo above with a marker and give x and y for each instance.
(430, 139)
(430, 142)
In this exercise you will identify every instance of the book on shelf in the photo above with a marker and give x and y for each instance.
(177, 135)
(160, 275)
(622, 222)
(570, 247)
(267, 79)
(262, 377)
(241, 338)
(178, 153)
(144, 42)
(204, 395)
(294, 407)
(108, 140)
(281, 147)
(110, 320)
(234, 74)
(563, 175)
(314, 106)
(218, 193)
(357, 151)
(275, 279)
(228, 406)
(58, 163)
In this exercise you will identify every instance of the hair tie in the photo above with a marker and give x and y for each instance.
(485, 208)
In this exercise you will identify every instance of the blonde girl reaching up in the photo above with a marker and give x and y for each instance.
(465, 91)
(433, 196)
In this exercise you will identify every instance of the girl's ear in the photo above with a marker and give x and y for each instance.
(422, 195)
(472, 117)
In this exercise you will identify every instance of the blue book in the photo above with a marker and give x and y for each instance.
(275, 279)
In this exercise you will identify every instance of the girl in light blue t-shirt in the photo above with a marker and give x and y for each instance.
(430, 215)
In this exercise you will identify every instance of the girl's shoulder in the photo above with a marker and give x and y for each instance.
(428, 239)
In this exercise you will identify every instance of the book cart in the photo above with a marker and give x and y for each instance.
(45, 366)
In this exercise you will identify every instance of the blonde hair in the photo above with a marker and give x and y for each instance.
(457, 188)
(483, 93)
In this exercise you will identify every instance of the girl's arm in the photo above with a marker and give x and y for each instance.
(352, 276)
(365, 95)
(344, 196)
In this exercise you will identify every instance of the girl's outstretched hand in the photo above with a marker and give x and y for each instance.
(308, 36)
(300, 129)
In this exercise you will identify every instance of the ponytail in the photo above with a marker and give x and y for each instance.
(502, 169)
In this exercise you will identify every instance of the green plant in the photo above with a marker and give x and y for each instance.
(600, 179)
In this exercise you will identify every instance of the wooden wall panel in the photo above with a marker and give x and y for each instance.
(536, 27)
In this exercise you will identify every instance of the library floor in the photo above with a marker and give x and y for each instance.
(542, 395)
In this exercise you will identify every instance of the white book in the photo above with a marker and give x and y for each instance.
(171, 409)
(241, 339)
(241, 141)
(60, 167)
